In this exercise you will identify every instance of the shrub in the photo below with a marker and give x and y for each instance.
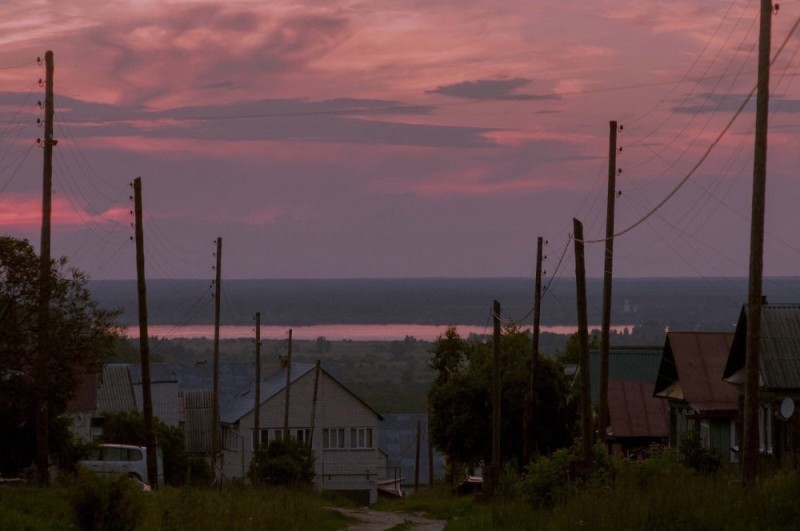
(695, 456)
(103, 504)
(552, 480)
(281, 462)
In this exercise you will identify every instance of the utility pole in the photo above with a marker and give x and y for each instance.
(314, 407)
(754, 292)
(45, 288)
(528, 434)
(288, 385)
(605, 332)
(583, 344)
(430, 451)
(257, 404)
(144, 344)
(416, 461)
(496, 396)
(216, 443)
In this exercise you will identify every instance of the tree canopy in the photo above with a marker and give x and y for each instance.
(81, 335)
(460, 399)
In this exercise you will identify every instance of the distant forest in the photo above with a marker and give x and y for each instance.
(703, 304)
(394, 376)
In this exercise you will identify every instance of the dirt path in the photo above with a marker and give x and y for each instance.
(380, 521)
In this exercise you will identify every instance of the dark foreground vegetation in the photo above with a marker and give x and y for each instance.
(658, 493)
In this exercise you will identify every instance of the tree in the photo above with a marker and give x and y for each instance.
(128, 428)
(460, 399)
(81, 335)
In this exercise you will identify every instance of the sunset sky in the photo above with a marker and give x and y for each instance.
(398, 138)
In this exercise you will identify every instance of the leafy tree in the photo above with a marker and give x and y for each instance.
(128, 428)
(460, 399)
(81, 336)
(449, 353)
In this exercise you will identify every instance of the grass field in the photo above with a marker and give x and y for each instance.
(653, 495)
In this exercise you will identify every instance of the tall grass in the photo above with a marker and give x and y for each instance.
(659, 494)
(66, 507)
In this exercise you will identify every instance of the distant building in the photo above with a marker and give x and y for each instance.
(340, 427)
(779, 379)
(636, 418)
(690, 379)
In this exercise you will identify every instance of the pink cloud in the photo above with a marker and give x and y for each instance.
(19, 211)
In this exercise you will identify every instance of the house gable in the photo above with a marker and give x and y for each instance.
(691, 371)
(779, 360)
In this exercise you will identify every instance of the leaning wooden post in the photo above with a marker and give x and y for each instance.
(583, 344)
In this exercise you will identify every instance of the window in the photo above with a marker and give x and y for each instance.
(333, 438)
(765, 429)
(705, 435)
(302, 434)
(734, 446)
(360, 437)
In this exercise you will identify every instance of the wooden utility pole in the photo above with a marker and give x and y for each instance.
(144, 343)
(216, 443)
(605, 332)
(45, 288)
(496, 396)
(430, 452)
(754, 292)
(530, 446)
(257, 400)
(583, 344)
(288, 386)
(314, 406)
(416, 461)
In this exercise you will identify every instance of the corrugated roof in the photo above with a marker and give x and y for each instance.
(779, 360)
(243, 402)
(634, 411)
(625, 363)
(116, 390)
(197, 426)
(695, 361)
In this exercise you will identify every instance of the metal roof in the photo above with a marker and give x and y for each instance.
(634, 411)
(625, 363)
(779, 360)
(242, 403)
(116, 390)
(691, 369)
(197, 425)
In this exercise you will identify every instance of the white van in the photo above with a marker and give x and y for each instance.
(124, 460)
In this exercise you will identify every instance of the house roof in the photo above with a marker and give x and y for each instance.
(779, 360)
(634, 411)
(691, 370)
(242, 403)
(625, 363)
(85, 398)
(116, 390)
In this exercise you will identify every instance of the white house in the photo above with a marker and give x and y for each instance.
(341, 428)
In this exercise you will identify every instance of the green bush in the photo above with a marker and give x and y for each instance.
(695, 456)
(553, 480)
(287, 462)
(103, 504)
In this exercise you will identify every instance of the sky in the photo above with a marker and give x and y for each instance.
(399, 138)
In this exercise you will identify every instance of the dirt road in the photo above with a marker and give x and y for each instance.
(380, 521)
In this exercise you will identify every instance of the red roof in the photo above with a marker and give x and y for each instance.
(634, 411)
(696, 361)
